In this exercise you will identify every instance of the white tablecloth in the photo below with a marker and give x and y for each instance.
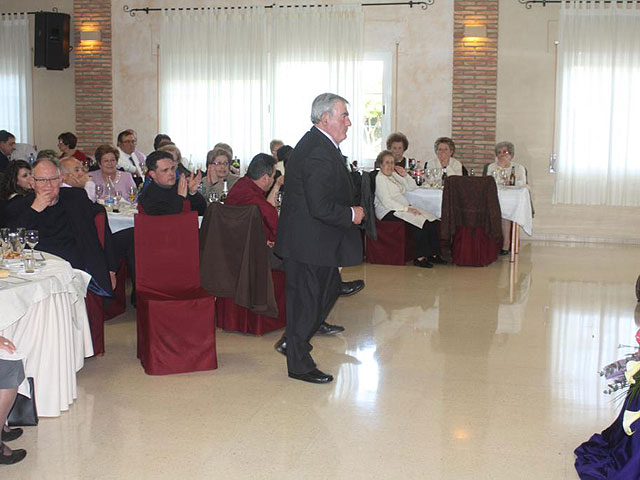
(124, 219)
(515, 204)
(46, 319)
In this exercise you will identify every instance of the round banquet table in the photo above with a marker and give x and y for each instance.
(44, 315)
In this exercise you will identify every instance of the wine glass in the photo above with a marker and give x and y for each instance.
(100, 191)
(31, 238)
(503, 176)
(116, 201)
(133, 192)
(4, 238)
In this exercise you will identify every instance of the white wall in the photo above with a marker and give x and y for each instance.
(53, 91)
(526, 62)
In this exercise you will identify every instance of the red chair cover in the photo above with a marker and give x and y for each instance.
(232, 317)
(394, 245)
(473, 247)
(101, 309)
(176, 326)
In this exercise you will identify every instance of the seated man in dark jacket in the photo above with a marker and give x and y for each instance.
(65, 222)
(164, 195)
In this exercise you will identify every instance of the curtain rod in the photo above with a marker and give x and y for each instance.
(529, 3)
(132, 11)
(54, 9)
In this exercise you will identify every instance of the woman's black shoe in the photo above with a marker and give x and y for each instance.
(11, 435)
(437, 260)
(504, 252)
(424, 263)
(15, 457)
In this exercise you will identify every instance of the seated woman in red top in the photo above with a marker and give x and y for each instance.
(67, 142)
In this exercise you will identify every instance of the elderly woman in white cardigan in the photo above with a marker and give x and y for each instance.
(390, 204)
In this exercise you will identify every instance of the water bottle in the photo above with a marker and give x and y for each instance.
(32, 159)
(109, 195)
(225, 191)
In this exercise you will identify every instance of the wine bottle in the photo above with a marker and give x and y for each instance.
(512, 177)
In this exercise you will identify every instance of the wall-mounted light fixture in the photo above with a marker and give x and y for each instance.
(475, 31)
(90, 36)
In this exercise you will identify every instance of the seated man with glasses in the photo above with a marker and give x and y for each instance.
(65, 222)
(130, 159)
(218, 161)
(164, 195)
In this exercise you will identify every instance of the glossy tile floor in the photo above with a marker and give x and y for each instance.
(449, 373)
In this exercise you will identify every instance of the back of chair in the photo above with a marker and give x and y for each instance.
(166, 251)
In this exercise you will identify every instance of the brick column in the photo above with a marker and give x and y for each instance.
(475, 74)
(93, 80)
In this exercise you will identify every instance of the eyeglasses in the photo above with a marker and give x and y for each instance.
(129, 141)
(217, 164)
(50, 181)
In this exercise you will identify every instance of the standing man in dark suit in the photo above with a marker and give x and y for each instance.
(317, 231)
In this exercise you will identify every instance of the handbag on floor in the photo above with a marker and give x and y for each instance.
(24, 412)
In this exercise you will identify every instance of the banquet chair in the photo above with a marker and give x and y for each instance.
(235, 267)
(471, 220)
(101, 309)
(393, 241)
(175, 316)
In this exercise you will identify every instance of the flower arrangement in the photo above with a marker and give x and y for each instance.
(624, 374)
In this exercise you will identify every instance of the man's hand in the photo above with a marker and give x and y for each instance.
(112, 276)
(43, 200)
(280, 181)
(182, 186)
(6, 344)
(413, 210)
(270, 244)
(400, 171)
(194, 182)
(358, 214)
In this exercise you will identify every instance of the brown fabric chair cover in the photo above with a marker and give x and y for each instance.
(470, 202)
(234, 257)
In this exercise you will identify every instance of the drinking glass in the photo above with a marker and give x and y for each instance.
(504, 176)
(279, 199)
(32, 239)
(133, 192)
(212, 197)
(4, 238)
(100, 191)
(116, 201)
(29, 265)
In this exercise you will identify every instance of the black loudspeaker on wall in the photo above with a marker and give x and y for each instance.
(52, 40)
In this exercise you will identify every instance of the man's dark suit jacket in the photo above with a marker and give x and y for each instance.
(96, 260)
(4, 162)
(315, 225)
(156, 200)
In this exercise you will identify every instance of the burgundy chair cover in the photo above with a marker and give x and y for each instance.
(101, 309)
(394, 245)
(232, 317)
(176, 326)
(471, 220)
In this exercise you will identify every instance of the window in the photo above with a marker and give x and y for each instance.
(376, 87)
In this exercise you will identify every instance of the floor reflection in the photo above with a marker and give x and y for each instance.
(588, 322)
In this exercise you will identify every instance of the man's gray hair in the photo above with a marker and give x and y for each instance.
(262, 164)
(324, 103)
(46, 160)
(510, 148)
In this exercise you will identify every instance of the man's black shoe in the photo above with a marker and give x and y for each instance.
(351, 288)
(326, 329)
(281, 345)
(314, 376)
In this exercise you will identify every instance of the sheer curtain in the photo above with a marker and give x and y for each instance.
(599, 104)
(15, 76)
(316, 50)
(213, 80)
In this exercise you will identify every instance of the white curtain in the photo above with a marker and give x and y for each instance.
(598, 104)
(15, 76)
(212, 80)
(316, 50)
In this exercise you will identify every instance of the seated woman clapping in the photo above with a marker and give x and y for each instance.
(444, 149)
(391, 205)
